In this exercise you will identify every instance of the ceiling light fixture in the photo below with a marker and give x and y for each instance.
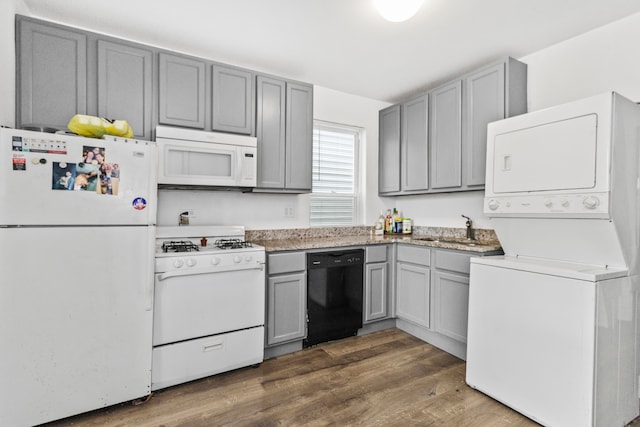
(397, 10)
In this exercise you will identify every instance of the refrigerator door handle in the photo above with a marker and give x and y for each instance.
(149, 296)
(151, 265)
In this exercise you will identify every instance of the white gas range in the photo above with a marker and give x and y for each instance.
(209, 303)
(197, 248)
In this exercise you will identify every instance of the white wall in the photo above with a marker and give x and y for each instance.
(597, 61)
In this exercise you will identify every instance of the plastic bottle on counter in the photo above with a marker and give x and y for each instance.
(388, 224)
(397, 221)
(380, 224)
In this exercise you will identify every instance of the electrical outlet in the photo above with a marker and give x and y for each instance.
(289, 212)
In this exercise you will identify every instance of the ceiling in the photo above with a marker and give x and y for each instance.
(343, 44)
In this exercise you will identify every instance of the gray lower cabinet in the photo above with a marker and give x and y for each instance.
(125, 75)
(286, 297)
(51, 74)
(413, 284)
(181, 91)
(451, 293)
(284, 128)
(378, 289)
(233, 100)
(451, 302)
(433, 296)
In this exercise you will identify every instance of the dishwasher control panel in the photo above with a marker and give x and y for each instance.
(335, 258)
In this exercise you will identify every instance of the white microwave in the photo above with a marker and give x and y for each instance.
(188, 157)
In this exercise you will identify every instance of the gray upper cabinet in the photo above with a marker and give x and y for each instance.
(284, 128)
(270, 131)
(232, 109)
(403, 163)
(184, 96)
(125, 76)
(62, 71)
(458, 113)
(491, 94)
(51, 74)
(414, 147)
(182, 91)
(389, 150)
(299, 137)
(445, 133)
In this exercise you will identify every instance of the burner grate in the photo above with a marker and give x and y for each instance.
(179, 246)
(232, 244)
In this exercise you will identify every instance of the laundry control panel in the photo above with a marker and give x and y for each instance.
(583, 205)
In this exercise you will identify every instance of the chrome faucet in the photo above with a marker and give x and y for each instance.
(468, 224)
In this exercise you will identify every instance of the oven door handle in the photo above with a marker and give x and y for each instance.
(224, 269)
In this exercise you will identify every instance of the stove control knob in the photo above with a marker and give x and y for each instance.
(248, 258)
(215, 260)
(237, 259)
(191, 262)
(548, 204)
(178, 263)
(493, 205)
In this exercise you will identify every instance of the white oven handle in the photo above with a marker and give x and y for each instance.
(223, 269)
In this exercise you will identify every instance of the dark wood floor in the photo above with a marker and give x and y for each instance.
(388, 378)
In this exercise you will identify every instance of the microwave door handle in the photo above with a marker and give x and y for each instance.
(231, 268)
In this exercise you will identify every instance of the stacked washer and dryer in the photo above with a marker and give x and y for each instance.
(553, 324)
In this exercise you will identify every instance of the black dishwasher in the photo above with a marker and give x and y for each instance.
(334, 295)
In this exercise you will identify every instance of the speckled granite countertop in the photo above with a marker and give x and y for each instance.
(336, 237)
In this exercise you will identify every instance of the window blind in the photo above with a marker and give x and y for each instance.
(334, 171)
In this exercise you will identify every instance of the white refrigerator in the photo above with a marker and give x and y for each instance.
(77, 229)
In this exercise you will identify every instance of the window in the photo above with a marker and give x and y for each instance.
(334, 198)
